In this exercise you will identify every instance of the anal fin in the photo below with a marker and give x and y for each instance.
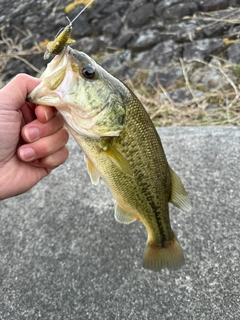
(179, 196)
(123, 216)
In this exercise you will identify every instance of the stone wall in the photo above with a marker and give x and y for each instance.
(155, 37)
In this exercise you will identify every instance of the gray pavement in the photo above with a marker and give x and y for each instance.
(63, 256)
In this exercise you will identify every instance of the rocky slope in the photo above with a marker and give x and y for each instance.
(168, 43)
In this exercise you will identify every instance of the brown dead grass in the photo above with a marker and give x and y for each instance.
(13, 49)
(193, 112)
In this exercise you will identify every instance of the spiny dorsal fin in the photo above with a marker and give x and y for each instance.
(93, 173)
(179, 197)
(123, 216)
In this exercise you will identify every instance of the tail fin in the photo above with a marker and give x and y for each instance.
(156, 257)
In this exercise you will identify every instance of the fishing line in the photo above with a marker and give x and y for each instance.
(62, 39)
(86, 6)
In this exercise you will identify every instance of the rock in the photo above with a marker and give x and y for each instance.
(21, 9)
(166, 78)
(89, 45)
(210, 79)
(213, 5)
(161, 55)
(15, 66)
(119, 7)
(111, 25)
(154, 31)
(212, 30)
(182, 94)
(28, 42)
(146, 39)
(202, 49)
(116, 62)
(123, 40)
(234, 3)
(38, 62)
(211, 107)
(85, 29)
(176, 12)
(140, 16)
(229, 14)
(125, 72)
(233, 52)
(137, 4)
(183, 31)
(162, 5)
(233, 32)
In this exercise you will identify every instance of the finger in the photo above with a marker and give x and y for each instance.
(13, 95)
(28, 113)
(45, 113)
(52, 161)
(44, 146)
(37, 130)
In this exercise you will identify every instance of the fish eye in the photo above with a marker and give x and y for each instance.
(88, 72)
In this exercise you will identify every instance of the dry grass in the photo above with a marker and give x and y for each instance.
(194, 111)
(13, 49)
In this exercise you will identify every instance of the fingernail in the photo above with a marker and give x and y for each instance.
(50, 114)
(32, 133)
(46, 115)
(27, 154)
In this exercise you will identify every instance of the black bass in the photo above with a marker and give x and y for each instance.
(121, 145)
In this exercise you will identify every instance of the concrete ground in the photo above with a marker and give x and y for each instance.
(63, 256)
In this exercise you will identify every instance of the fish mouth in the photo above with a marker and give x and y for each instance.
(52, 78)
(56, 70)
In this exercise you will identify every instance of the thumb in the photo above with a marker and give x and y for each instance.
(13, 95)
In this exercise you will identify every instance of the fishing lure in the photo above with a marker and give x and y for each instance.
(62, 38)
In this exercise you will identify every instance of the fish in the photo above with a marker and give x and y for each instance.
(121, 146)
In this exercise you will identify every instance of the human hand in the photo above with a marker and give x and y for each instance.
(32, 138)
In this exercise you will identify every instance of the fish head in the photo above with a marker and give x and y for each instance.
(91, 100)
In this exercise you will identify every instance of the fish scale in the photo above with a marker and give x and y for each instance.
(121, 146)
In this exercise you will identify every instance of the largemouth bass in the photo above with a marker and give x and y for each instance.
(121, 145)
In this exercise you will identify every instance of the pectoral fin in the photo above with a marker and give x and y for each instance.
(123, 216)
(115, 156)
(93, 173)
(179, 197)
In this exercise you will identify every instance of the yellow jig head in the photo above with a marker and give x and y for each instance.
(62, 38)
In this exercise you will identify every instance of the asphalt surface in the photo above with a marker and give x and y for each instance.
(63, 256)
